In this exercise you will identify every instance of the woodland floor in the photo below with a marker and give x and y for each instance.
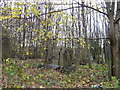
(25, 74)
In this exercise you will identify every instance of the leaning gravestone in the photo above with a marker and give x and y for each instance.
(5, 48)
(5, 45)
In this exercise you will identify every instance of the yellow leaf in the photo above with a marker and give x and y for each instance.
(34, 10)
(4, 17)
(23, 86)
(27, 53)
(18, 87)
(49, 33)
(45, 39)
(45, 48)
(49, 25)
(7, 60)
(83, 82)
(26, 24)
(40, 75)
(67, 39)
(41, 87)
(17, 4)
(92, 47)
(45, 6)
(88, 80)
(52, 23)
(69, 80)
(19, 28)
(108, 42)
(59, 22)
(44, 30)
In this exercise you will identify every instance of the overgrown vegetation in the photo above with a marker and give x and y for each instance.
(51, 44)
(25, 74)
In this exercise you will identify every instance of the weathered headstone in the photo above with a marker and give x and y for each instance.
(68, 69)
(66, 58)
(5, 45)
(52, 66)
(107, 50)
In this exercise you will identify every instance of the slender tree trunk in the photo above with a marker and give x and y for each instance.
(113, 34)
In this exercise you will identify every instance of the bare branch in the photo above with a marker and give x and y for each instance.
(68, 9)
(92, 8)
(75, 7)
(117, 21)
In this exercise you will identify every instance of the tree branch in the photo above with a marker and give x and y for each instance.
(70, 8)
(75, 7)
(92, 8)
(117, 21)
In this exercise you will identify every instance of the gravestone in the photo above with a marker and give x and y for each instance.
(68, 69)
(52, 66)
(5, 44)
(39, 66)
(107, 51)
(66, 58)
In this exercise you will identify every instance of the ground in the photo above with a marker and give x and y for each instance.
(25, 74)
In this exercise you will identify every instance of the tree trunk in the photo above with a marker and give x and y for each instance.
(113, 34)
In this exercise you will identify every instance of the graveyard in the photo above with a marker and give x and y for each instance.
(27, 74)
(60, 44)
